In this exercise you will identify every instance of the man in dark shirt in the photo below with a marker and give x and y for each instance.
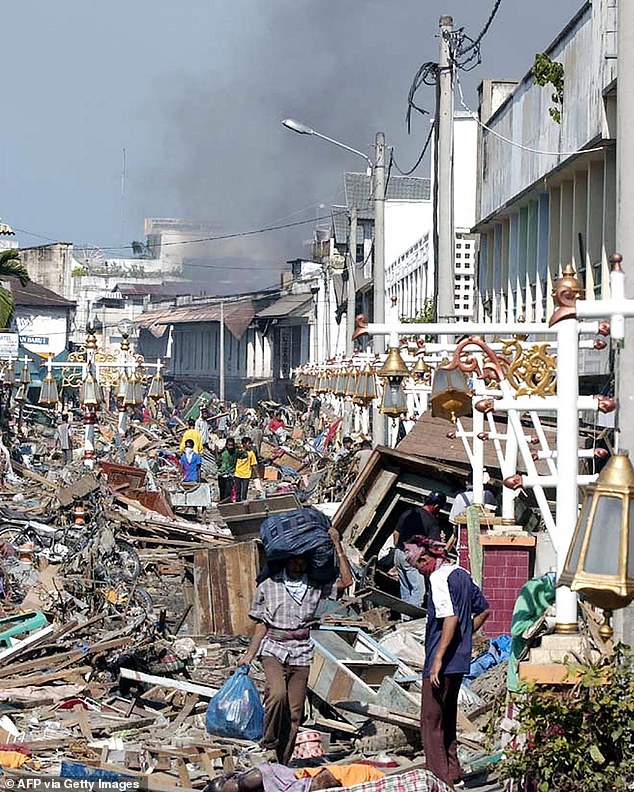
(415, 521)
(457, 609)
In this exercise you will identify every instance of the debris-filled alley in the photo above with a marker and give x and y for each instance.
(127, 592)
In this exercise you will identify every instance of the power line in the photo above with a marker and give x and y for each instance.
(219, 237)
(466, 52)
(420, 158)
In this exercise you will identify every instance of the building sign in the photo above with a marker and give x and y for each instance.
(9, 343)
(43, 333)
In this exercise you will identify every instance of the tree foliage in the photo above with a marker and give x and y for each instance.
(10, 266)
(580, 739)
(550, 72)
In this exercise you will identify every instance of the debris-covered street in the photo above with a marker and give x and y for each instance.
(126, 594)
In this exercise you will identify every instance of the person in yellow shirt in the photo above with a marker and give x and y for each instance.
(191, 433)
(245, 462)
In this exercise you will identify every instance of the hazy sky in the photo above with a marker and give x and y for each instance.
(194, 90)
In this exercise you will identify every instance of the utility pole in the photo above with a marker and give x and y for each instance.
(444, 266)
(624, 621)
(222, 351)
(378, 274)
(351, 263)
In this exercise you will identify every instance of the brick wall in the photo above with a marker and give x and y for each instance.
(508, 562)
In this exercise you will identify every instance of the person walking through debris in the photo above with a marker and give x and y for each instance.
(284, 609)
(202, 426)
(190, 462)
(245, 463)
(415, 521)
(191, 433)
(227, 459)
(62, 438)
(457, 609)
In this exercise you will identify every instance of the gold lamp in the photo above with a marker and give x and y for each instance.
(25, 374)
(134, 390)
(365, 390)
(421, 371)
(90, 394)
(48, 392)
(394, 371)
(600, 560)
(156, 390)
(122, 386)
(450, 394)
(351, 381)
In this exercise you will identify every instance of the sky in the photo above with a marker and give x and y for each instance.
(195, 91)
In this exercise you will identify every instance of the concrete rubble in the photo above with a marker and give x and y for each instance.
(124, 608)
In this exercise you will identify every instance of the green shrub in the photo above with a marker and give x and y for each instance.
(580, 739)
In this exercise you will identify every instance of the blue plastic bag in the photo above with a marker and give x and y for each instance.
(236, 709)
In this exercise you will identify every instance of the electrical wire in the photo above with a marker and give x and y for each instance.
(465, 52)
(512, 142)
(420, 158)
(219, 237)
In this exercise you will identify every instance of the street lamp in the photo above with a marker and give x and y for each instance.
(302, 129)
(377, 171)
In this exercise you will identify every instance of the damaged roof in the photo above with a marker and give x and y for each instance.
(291, 305)
(237, 316)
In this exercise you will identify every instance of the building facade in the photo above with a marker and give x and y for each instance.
(547, 190)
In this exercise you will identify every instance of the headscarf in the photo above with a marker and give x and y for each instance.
(422, 545)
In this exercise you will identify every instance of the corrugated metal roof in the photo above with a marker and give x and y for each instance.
(237, 316)
(292, 304)
(358, 187)
(340, 224)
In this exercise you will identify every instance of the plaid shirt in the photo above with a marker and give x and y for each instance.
(275, 607)
(411, 781)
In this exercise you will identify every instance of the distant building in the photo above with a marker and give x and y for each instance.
(410, 270)
(41, 317)
(547, 190)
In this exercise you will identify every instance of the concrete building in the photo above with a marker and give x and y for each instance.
(547, 190)
(410, 269)
(41, 318)
(170, 240)
(265, 336)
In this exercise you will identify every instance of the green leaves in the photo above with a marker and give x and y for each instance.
(549, 72)
(579, 738)
(10, 266)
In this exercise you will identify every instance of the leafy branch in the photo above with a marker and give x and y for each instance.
(549, 72)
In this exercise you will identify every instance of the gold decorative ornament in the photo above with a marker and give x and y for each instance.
(531, 371)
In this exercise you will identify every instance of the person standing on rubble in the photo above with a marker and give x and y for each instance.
(457, 609)
(202, 426)
(416, 521)
(284, 609)
(62, 439)
(227, 459)
(191, 433)
(245, 464)
(190, 462)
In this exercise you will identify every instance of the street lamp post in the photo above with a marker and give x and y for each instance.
(377, 171)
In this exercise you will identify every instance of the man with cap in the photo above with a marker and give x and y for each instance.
(457, 609)
(415, 521)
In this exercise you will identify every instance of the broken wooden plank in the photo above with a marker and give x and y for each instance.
(166, 682)
(384, 714)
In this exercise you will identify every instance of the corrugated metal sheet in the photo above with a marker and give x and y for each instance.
(237, 316)
(296, 304)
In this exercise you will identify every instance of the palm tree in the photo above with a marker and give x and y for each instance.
(10, 266)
